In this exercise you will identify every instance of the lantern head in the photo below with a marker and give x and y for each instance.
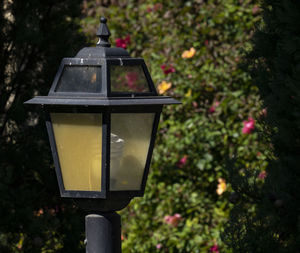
(102, 116)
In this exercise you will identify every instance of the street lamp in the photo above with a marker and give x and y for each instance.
(102, 116)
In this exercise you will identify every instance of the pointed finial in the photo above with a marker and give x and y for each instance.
(103, 33)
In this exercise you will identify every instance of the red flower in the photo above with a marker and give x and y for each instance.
(155, 7)
(214, 248)
(206, 42)
(123, 42)
(120, 43)
(158, 6)
(248, 126)
(167, 70)
(182, 161)
(127, 39)
(212, 109)
(149, 9)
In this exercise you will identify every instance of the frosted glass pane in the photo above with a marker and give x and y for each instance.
(128, 79)
(130, 140)
(80, 79)
(79, 145)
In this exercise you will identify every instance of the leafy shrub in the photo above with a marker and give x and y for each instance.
(193, 50)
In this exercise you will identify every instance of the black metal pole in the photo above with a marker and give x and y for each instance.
(103, 233)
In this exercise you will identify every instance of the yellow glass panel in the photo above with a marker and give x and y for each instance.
(129, 146)
(78, 139)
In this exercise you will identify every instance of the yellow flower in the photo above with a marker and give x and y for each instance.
(163, 87)
(221, 186)
(189, 93)
(188, 53)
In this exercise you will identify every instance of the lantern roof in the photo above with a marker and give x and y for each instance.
(102, 76)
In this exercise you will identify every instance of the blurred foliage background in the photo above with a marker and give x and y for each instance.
(211, 152)
(194, 50)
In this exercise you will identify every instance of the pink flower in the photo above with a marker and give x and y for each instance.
(123, 42)
(255, 9)
(177, 216)
(167, 218)
(248, 126)
(159, 246)
(172, 220)
(262, 175)
(182, 161)
(167, 70)
(214, 248)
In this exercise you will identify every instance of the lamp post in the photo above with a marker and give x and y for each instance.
(102, 115)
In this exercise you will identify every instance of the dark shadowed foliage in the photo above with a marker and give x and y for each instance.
(275, 67)
(35, 36)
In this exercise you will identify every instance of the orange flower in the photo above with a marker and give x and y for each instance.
(163, 87)
(39, 213)
(221, 186)
(188, 53)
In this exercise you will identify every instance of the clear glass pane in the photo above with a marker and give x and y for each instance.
(128, 79)
(79, 145)
(129, 145)
(80, 79)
